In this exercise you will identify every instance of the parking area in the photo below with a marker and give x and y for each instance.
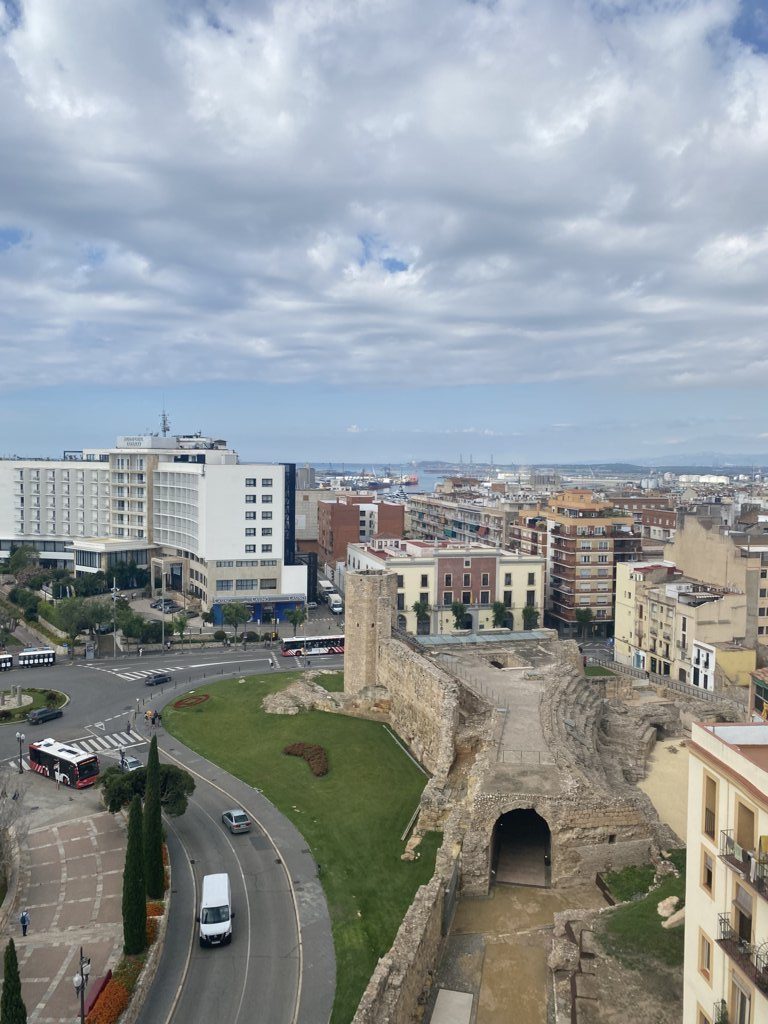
(70, 881)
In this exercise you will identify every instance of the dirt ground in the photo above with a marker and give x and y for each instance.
(667, 784)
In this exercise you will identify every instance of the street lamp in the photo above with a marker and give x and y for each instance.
(20, 737)
(80, 981)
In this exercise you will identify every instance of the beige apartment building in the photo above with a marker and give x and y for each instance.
(479, 521)
(439, 573)
(705, 548)
(726, 899)
(675, 626)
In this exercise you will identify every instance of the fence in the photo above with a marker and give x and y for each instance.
(671, 684)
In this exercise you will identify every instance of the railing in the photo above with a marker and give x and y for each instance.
(720, 1012)
(709, 823)
(753, 870)
(752, 959)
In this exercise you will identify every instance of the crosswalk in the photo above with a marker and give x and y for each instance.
(110, 743)
(134, 675)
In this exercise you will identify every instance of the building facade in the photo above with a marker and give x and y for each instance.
(354, 519)
(438, 574)
(726, 898)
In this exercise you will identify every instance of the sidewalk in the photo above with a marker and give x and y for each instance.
(70, 880)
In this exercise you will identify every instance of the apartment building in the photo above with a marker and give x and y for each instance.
(439, 573)
(705, 548)
(354, 519)
(478, 521)
(184, 506)
(586, 539)
(675, 626)
(726, 901)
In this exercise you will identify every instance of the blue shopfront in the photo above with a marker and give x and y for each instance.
(264, 610)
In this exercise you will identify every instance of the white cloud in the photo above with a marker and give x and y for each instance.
(435, 193)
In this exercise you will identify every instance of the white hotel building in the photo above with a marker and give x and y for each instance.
(185, 507)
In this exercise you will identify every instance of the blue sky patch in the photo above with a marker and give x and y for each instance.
(10, 237)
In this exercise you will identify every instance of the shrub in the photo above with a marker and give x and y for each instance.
(220, 635)
(128, 970)
(6, 715)
(314, 755)
(155, 908)
(252, 637)
(110, 1004)
(151, 930)
(51, 699)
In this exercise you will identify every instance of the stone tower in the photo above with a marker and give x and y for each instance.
(371, 598)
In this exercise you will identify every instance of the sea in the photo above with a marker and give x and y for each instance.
(426, 484)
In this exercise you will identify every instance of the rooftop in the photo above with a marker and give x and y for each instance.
(748, 739)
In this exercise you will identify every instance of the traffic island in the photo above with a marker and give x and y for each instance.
(14, 707)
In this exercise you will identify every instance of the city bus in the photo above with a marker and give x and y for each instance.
(63, 763)
(6, 662)
(298, 646)
(34, 656)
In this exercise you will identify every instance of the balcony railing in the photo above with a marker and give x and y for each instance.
(709, 823)
(753, 870)
(752, 959)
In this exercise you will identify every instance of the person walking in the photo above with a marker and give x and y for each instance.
(24, 921)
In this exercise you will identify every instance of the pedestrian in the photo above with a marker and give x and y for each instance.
(128, 724)
(154, 718)
(141, 652)
(24, 921)
(159, 718)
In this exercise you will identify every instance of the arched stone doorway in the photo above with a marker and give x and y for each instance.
(521, 849)
(402, 622)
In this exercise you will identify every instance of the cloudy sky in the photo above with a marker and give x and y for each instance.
(386, 229)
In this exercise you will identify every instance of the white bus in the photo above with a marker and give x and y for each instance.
(63, 763)
(34, 656)
(6, 662)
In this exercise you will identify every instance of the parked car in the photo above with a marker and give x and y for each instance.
(129, 764)
(157, 679)
(40, 715)
(236, 820)
(311, 604)
(155, 604)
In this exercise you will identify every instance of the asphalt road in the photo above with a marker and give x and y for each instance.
(279, 968)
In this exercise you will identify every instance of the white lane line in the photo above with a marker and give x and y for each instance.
(185, 972)
(237, 661)
(124, 737)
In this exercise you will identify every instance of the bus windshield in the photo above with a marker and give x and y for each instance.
(87, 769)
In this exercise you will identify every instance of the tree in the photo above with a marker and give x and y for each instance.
(297, 617)
(154, 872)
(176, 786)
(180, 626)
(530, 617)
(236, 614)
(90, 583)
(459, 612)
(12, 1008)
(422, 610)
(134, 891)
(22, 557)
(74, 615)
(207, 618)
(500, 612)
(584, 618)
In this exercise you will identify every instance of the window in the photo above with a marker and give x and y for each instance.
(584, 559)
(467, 563)
(424, 582)
(705, 956)
(266, 531)
(266, 549)
(448, 580)
(507, 598)
(250, 515)
(400, 583)
(447, 598)
(250, 481)
(467, 579)
(707, 871)
(250, 499)
(745, 826)
(739, 1004)
(531, 579)
(424, 598)
(485, 580)
(266, 499)
(269, 584)
(485, 597)
(250, 549)
(266, 515)
(266, 481)
(507, 579)
(246, 584)
(223, 584)
(602, 558)
(742, 905)
(466, 597)
(250, 531)
(710, 807)
(530, 598)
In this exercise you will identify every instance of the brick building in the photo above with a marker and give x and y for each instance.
(352, 519)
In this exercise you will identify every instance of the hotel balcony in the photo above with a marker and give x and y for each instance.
(751, 959)
(752, 869)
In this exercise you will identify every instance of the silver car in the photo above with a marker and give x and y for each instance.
(236, 820)
(129, 764)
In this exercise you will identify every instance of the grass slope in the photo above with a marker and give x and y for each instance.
(352, 818)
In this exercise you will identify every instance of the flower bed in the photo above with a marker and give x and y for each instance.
(313, 754)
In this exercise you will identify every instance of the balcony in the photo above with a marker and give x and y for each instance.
(753, 870)
(752, 959)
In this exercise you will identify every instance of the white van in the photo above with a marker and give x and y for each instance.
(216, 912)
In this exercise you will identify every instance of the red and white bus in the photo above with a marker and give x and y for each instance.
(301, 646)
(63, 763)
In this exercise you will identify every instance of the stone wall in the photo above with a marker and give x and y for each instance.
(424, 708)
(371, 598)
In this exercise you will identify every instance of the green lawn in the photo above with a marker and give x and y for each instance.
(597, 670)
(352, 818)
(633, 933)
(629, 882)
(333, 682)
(38, 701)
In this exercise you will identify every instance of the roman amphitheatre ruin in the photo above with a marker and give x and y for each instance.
(533, 768)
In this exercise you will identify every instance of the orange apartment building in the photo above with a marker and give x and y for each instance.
(354, 519)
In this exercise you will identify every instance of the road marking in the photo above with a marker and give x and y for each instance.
(294, 899)
(185, 972)
(100, 725)
(235, 661)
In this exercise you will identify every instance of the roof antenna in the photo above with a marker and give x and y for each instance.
(165, 424)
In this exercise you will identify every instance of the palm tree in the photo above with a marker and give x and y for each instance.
(584, 618)
(422, 610)
(459, 612)
(500, 611)
(297, 617)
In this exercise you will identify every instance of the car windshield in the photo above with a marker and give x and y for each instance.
(239, 819)
(215, 915)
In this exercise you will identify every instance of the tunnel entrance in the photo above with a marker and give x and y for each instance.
(521, 849)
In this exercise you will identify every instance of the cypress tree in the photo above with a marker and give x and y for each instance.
(154, 872)
(12, 1008)
(134, 893)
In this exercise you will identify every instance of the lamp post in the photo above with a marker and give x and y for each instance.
(114, 618)
(20, 737)
(80, 981)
